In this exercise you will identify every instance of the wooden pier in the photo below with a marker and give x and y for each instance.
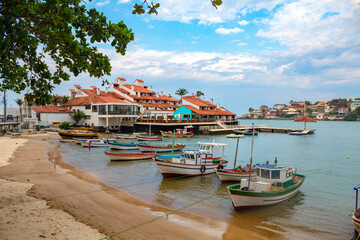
(265, 129)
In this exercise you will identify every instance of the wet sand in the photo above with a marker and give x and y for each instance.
(37, 163)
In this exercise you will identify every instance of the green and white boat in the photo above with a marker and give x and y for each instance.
(273, 184)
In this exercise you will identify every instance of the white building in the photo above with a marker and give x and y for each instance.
(355, 104)
(48, 115)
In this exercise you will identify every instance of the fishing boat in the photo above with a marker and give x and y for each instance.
(160, 148)
(124, 136)
(123, 146)
(235, 135)
(273, 184)
(247, 132)
(80, 140)
(355, 216)
(237, 173)
(179, 133)
(194, 163)
(129, 156)
(96, 143)
(148, 138)
(70, 135)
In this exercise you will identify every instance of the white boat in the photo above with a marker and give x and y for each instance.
(235, 174)
(148, 138)
(235, 135)
(124, 136)
(90, 144)
(355, 216)
(273, 184)
(160, 148)
(80, 140)
(194, 163)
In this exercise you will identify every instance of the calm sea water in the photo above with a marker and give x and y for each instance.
(320, 210)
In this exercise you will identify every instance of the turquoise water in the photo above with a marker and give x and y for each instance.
(320, 210)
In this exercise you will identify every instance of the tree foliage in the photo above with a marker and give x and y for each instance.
(34, 30)
(199, 93)
(77, 116)
(181, 92)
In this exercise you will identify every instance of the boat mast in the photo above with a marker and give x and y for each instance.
(172, 148)
(237, 147)
(252, 147)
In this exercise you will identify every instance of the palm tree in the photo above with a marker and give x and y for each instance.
(55, 99)
(250, 110)
(19, 102)
(65, 99)
(77, 116)
(199, 94)
(181, 92)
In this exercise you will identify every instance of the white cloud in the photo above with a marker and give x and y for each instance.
(103, 3)
(225, 31)
(242, 44)
(123, 1)
(243, 23)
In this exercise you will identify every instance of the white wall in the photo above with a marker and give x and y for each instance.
(56, 117)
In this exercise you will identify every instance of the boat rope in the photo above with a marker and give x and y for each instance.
(164, 216)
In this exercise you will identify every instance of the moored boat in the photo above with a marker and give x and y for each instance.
(148, 138)
(128, 156)
(179, 133)
(235, 174)
(273, 184)
(124, 136)
(355, 216)
(247, 132)
(97, 143)
(235, 135)
(123, 146)
(160, 148)
(194, 163)
(70, 135)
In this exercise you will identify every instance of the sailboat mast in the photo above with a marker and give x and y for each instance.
(237, 147)
(252, 147)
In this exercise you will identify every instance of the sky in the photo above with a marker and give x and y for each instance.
(244, 54)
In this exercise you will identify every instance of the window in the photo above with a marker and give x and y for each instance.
(275, 174)
(87, 107)
(265, 173)
(94, 108)
(258, 172)
(192, 157)
(289, 174)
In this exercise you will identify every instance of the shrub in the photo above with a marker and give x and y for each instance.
(64, 125)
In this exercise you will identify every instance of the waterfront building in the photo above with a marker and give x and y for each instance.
(343, 111)
(47, 115)
(195, 108)
(279, 106)
(103, 109)
(355, 104)
(155, 105)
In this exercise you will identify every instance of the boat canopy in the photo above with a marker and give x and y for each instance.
(357, 188)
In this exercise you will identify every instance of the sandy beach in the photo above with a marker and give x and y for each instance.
(43, 197)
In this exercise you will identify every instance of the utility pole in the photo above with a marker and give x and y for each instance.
(5, 118)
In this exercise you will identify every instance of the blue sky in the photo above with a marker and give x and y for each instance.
(244, 54)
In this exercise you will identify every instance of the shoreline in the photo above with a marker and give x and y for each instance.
(107, 209)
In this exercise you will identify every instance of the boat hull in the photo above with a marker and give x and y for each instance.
(231, 176)
(159, 148)
(356, 222)
(71, 135)
(168, 134)
(148, 138)
(124, 136)
(129, 156)
(172, 169)
(246, 199)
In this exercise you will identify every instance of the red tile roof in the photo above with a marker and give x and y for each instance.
(119, 78)
(83, 101)
(139, 80)
(217, 112)
(160, 98)
(73, 90)
(121, 89)
(138, 88)
(197, 101)
(158, 105)
(77, 86)
(93, 87)
(51, 109)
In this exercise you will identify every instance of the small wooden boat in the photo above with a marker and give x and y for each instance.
(160, 148)
(179, 133)
(129, 156)
(194, 163)
(70, 135)
(273, 184)
(122, 146)
(148, 138)
(355, 216)
(295, 133)
(67, 140)
(247, 132)
(80, 140)
(235, 135)
(124, 136)
(235, 174)
(97, 143)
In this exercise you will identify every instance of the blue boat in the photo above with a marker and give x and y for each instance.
(123, 146)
